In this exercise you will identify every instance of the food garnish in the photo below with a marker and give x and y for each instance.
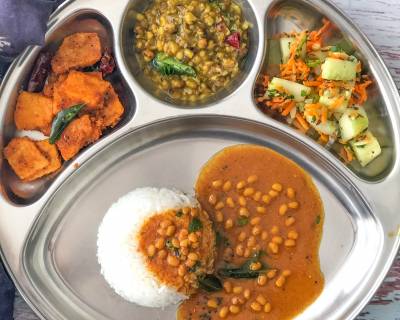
(242, 221)
(210, 283)
(245, 270)
(168, 66)
(62, 120)
(195, 225)
(40, 72)
(320, 90)
(107, 63)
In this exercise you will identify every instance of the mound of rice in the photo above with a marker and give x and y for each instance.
(122, 265)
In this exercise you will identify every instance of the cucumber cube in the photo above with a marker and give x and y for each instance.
(298, 90)
(366, 148)
(336, 69)
(285, 44)
(352, 123)
(327, 99)
(329, 127)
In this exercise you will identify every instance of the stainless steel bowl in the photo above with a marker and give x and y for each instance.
(48, 229)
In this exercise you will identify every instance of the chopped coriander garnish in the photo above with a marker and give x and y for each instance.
(195, 225)
(242, 221)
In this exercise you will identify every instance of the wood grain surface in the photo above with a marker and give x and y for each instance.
(380, 21)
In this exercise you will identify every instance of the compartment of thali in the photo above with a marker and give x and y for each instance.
(64, 267)
(189, 53)
(23, 191)
(285, 22)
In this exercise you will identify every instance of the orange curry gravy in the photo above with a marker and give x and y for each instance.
(260, 202)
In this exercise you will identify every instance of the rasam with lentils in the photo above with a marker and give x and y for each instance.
(191, 48)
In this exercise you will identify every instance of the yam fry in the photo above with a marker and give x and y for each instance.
(80, 87)
(33, 112)
(52, 155)
(78, 50)
(79, 133)
(51, 80)
(25, 158)
(112, 111)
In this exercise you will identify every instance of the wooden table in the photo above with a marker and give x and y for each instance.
(380, 20)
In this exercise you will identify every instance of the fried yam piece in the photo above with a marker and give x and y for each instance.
(25, 158)
(112, 111)
(52, 155)
(33, 112)
(51, 80)
(78, 50)
(79, 133)
(31, 159)
(80, 87)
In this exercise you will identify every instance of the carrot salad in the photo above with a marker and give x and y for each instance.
(321, 89)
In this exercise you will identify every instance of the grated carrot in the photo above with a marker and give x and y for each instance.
(302, 122)
(360, 90)
(313, 106)
(299, 126)
(346, 154)
(289, 107)
(323, 138)
(314, 37)
(312, 83)
(338, 102)
(324, 115)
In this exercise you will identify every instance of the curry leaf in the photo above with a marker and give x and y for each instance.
(244, 270)
(210, 283)
(168, 66)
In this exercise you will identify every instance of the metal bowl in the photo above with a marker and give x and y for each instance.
(48, 229)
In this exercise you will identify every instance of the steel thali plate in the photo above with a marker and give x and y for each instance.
(48, 230)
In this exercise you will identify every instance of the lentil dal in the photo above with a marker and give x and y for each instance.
(203, 40)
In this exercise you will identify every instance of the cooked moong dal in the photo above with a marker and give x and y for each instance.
(268, 217)
(191, 48)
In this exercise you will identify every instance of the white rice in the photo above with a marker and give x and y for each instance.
(122, 265)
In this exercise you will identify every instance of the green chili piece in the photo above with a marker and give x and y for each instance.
(62, 120)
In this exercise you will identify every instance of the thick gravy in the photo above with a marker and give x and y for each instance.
(266, 211)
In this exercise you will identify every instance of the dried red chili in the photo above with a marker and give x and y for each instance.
(233, 40)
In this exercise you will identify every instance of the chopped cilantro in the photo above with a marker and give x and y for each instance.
(242, 221)
(195, 225)
(312, 63)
